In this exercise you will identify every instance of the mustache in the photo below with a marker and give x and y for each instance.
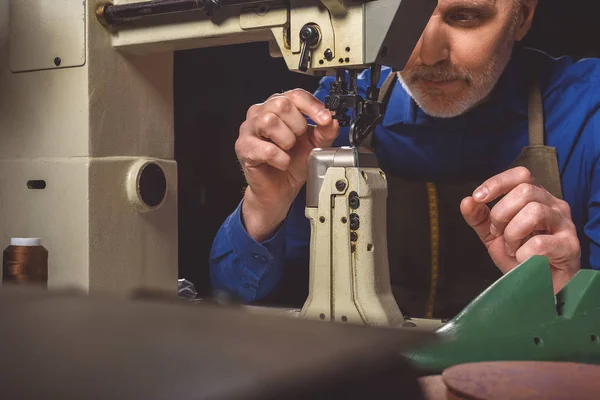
(445, 72)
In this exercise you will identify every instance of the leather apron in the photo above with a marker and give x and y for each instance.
(438, 264)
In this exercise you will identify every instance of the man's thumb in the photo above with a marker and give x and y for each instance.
(323, 135)
(477, 215)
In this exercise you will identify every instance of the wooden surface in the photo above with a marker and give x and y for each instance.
(522, 380)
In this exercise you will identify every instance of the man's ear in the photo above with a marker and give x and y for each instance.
(525, 16)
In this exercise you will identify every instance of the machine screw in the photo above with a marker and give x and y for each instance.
(328, 54)
(340, 185)
(353, 236)
(354, 222)
(354, 201)
(309, 34)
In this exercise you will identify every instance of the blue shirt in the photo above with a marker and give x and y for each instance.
(471, 147)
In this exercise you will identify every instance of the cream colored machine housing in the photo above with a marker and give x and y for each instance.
(79, 124)
(86, 134)
(349, 272)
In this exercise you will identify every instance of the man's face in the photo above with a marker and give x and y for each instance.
(461, 54)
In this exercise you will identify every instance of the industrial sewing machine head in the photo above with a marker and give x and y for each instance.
(317, 37)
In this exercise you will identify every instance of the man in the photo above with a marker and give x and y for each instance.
(456, 122)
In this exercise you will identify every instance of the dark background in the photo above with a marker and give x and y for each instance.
(215, 86)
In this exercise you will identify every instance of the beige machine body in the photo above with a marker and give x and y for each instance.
(349, 273)
(86, 139)
(346, 203)
(79, 120)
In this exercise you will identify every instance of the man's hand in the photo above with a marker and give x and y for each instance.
(273, 148)
(527, 221)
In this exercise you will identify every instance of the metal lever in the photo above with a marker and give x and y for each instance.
(309, 36)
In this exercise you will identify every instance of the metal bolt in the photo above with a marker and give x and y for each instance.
(328, 54)
(57, 61)
(353, 236)
(354, 201)
(340, 185)
(354, 222)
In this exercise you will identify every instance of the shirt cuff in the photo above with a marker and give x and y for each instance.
(255, 256)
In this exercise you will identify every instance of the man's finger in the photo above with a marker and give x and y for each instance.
(327, 128)
(270, 126)
(477, 215)
(502, 184)
(285, 109)
(534, 217)
(511, 204)
(253, 152)
(310, 106)
(558, 249)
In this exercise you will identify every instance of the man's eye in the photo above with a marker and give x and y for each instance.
(464, 18)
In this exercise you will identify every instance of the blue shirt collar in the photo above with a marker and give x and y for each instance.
(508, 96)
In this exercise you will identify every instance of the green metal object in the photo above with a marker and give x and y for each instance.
(519, 318)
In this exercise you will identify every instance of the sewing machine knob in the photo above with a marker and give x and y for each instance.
(309, 36)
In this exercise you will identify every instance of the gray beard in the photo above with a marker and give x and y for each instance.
(438, 104)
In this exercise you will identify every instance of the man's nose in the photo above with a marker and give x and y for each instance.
(433, 44)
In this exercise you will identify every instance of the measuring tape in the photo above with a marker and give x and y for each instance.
(434, 237)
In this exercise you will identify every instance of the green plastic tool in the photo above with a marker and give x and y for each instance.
(519, 318)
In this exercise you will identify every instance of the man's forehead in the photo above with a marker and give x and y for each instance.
(470, 3)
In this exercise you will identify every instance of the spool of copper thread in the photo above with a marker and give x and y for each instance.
(25, 261)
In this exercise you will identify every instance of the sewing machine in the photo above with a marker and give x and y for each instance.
(86, 150)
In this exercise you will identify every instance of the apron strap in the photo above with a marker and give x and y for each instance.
(385, 90)
(540, 159)
(535, 114)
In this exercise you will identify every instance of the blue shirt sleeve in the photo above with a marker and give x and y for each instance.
(249, 270)
(592, 226)
(241, 266)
